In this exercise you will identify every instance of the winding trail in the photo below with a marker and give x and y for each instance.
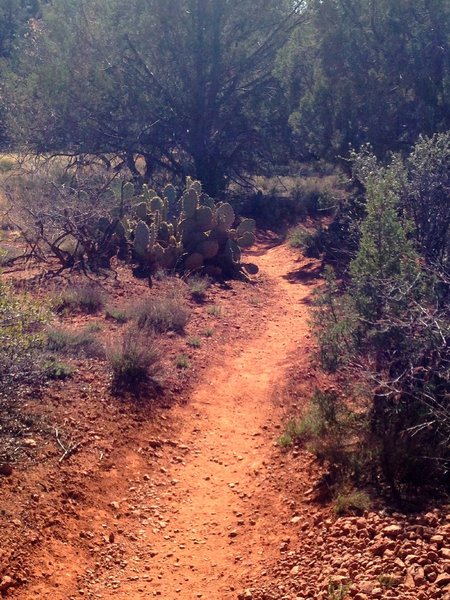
(219, 527)
(199, 514)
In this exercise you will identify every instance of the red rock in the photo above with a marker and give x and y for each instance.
(6, 469)
(409, 580)
(392, 530)
(419, 576)
(443, 579)
(5, 583)
(378, 548)
(437, 539)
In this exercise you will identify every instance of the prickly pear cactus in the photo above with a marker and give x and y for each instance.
(141, 211)
(128, 191)
(189, 203)
(204, 217)
(187, 233)
(141, 240)
(225, 216)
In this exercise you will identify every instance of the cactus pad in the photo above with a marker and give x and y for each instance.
(194, 262)
(141, 239)
(225, 215)
(247, 240)
(246, 226)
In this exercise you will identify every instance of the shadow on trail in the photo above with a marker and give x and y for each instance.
(266, 241)
(307, 274)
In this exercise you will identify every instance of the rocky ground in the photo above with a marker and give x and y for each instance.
(190, 496)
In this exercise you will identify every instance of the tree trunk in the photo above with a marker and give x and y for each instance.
(208, 171)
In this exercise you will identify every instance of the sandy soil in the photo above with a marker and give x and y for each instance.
(189, 504)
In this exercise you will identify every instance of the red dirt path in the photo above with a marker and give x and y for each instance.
(197, 510)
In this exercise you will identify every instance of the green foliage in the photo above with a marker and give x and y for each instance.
(54, 369)
(310, 241)
(388, 83)
(21, 341)
(90, 228)
(198, 286)
(215, 310)
(135, 360)
(117, 314)
(351, 502)
(193, 96)
(334, 325)
(182, 362)
(388, 581)
(425, 197)
(285, 200)
(194, 342)
(7, 163)
(387, 329)
(386, 266)
(338, 590)
(326, 427)
(421, 181)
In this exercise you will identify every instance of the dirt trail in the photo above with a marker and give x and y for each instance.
(212, 515)
(216, 530)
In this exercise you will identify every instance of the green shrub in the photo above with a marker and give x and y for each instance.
(338, 590)
(134, 361)
(215, 310)
(182, 362)
(7, 163)
(21, 341)
(95, 327)
(311, 242)
(351, 502)
(8, 255)
(74, 343)
(388, 581)
(385, 327)
(54, 369)
(88, 298)
(117, 314)
(194, 342)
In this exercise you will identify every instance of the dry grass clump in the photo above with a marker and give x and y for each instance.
(198, 287)
(74, 343)
(134, 361)
(162, 313)
(88, 298)
(351, 502)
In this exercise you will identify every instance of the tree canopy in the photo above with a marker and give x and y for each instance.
(187, 84)
(374, 71)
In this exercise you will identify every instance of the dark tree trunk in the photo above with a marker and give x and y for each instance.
(209, 172)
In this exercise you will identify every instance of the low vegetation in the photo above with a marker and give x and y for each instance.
(22, 340)
(88, 298)
(119, 315)
(351, 502)
(73, 343)
(385, 329)
(55, 369)
(162, 314)
(135, 360)
(182, 361)
(198, 286)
